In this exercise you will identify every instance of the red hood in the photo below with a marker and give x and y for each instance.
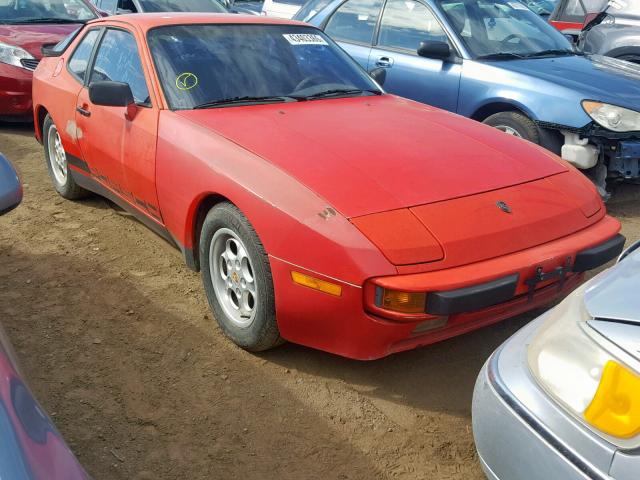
(32, 37)
(372, 154)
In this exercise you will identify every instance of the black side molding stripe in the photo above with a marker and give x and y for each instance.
(78, 162)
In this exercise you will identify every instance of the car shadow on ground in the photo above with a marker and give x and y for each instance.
(141, 393)
(438, 377)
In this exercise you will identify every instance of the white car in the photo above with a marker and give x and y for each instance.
(281, 8)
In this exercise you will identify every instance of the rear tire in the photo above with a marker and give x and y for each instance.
(57, 163)
(237, 279)
(516, 124)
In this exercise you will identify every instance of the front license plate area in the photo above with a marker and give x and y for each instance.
(558, 273)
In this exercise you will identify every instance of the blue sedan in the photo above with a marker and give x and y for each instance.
(497, 62)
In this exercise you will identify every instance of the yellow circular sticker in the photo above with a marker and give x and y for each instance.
(186, 81)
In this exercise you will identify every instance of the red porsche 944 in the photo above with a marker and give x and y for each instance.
(319, 209)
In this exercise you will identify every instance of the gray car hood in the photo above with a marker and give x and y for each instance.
(594, 76)
(615, 294)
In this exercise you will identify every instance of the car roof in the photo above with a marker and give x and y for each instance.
(147, 21)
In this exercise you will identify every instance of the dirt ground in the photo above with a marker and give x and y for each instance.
(116, 339)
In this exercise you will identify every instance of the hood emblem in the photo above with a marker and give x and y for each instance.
(503, 206)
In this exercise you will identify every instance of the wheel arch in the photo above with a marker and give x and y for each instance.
(198, 212)
(40, 114)
(623, 51)
(497, 106)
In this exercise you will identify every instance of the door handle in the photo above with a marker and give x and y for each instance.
(384, 62)
(83, 112)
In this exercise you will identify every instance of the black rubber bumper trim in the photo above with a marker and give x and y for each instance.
(599, 255)
(472, 298)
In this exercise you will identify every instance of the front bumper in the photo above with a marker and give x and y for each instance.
(619, 151)
(15, 91)
(341, 325)
(521, 433)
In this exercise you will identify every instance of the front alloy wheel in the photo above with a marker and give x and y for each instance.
(237, 279)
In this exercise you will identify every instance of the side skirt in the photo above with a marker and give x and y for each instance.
(90, 184)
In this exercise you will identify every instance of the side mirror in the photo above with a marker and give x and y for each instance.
(437, 50)
(49, 50)
(379, 75)
(110, 94)
(10, 188)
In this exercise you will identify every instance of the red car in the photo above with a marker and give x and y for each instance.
(319, 209)
(25, 26)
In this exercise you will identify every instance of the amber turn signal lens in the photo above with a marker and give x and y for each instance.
(615, 408)
(403, 302)
(316, 284)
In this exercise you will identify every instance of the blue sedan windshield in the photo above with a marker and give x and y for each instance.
(206, 66)
(503, 28)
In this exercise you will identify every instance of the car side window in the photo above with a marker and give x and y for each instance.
(355, 21)
(406, 23)
(109, 5)
(80, 58)
(118, 60)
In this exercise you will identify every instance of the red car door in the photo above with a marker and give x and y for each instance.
(120, 149)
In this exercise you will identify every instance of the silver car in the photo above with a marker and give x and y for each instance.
(560, 400)
(614, 32)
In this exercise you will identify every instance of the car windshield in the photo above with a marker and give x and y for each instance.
(503, 29)
(44, 11)
(207, 66)
(182, 6)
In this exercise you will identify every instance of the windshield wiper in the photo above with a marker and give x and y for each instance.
(248, 100)
(341, 91)
(44, 20)
(499, 56)
(551, 53)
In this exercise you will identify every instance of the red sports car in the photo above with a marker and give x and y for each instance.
(319, 209)
(25, 26)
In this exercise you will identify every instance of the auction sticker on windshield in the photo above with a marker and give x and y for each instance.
(304, 39)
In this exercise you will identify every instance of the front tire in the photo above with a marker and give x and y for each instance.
(57, 162)
(237, 279)
(516, 124)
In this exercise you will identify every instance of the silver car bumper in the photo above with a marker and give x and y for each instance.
(520, 433)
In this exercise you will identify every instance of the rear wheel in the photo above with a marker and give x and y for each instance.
(57, 162)
(516, 124)
(237, 279)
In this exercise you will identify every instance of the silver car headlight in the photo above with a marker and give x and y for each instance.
(612, 117)
(11, 55)
(587, 380)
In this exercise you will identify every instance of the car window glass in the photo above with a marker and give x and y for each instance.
(127, 5)
(54, 11)
(198, 64)
(80, 58)
(355, 21)
(211, 6)
(576, 10)
(118, 60)
(310, 10)
(109, 5)
(491, 27)
(406, 23)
